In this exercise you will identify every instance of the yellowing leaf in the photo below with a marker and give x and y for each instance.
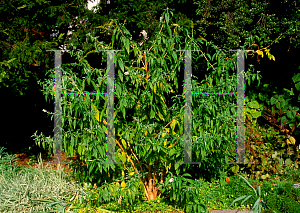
(123, 173)
(170, 146)
(162, 99)
(168, 167)
(165, 143)
(146, 133)
(131, 173)
(154, 88)
(160, 116)
(123, 184)
(273, 57)
(104, 121)
(123, 156)
(97, 113)
(164, 134)
(124, 143)
(291, 140)
(202, 38)
(60, 36)
(259, 52)
(112, 190)
(173, 126)
(23, 6)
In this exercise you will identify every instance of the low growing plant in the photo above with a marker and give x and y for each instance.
(257, 207)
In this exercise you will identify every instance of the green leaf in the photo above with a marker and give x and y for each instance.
(186, 175)
(288, 162)
(247, 182)
(254, 104)
(127, 45)
(83, 86)
(113, 37)
(118, 90)
(256, 205)
(297, 86)
(240, 198)
(172, 152)
(121, 64)
(23, 6)
(167, 16)
(289, 115)
(176, 166)
(274, 101)
(256, 114)
(89, 80)
(235, 169)
(169, 31)
(152, 113)
(296, 78)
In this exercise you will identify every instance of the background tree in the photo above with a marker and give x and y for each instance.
(258, 25)
(25, 31)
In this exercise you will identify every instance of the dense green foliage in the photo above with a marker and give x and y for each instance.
(253, 24)
(149, 136)
(149, 94)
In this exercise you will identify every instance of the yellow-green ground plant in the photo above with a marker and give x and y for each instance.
(149, 115)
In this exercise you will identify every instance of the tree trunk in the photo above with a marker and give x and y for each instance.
(151, 189)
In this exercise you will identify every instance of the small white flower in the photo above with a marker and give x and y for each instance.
(126, 73)
(171, 180)
(44, 110)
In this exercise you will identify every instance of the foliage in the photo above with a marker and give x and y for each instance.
(257, 207)
(33, 186)
(283, 198)
(6, 162)
(139, 83)
(25, 32)
(260, 26)
(268, 150)
(150, 112)
(278, 193)
(146, 15)
(230, 23)
(261, 20)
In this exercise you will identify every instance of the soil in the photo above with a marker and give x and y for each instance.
(21, 159)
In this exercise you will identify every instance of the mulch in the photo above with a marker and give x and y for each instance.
(21, 160)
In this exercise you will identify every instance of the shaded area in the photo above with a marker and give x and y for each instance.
(22, 117)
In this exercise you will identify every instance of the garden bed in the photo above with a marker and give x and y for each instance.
(279, 191)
